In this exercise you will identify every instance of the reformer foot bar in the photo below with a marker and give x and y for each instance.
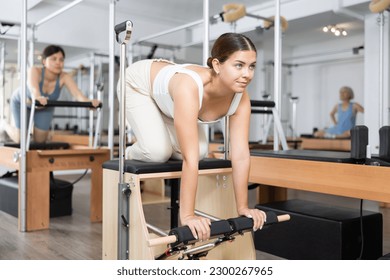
(180, 238)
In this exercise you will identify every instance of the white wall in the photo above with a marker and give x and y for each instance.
(318, 73)
(317, 86)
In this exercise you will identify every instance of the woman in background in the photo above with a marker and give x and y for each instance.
(346, 112)
(43, 83)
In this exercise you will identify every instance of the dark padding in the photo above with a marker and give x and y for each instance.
(141, 167)
(42, 146)
(221, 228)
(359, 142)
(315, 155)
(73, 104)
(262, 103)
(243, 224)
(384, 143)
(184, 236)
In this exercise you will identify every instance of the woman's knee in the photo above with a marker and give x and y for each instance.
(159, 154)
(155, 153)
(40, 135)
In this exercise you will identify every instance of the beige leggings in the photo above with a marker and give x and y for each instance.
(155, 134)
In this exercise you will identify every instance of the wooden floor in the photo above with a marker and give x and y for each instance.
(75, 238)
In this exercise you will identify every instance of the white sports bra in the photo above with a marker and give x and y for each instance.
(164, 100)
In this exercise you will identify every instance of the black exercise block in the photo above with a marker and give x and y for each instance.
(60, 197)
(384, 143)
(359, 142)
(318, 231)
(9, 195)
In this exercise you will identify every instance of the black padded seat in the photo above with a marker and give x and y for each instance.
(9, 195)
(314, 155)
(60, 196)
(42, 146)
(141, 167)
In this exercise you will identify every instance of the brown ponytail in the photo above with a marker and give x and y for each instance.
(227, 44)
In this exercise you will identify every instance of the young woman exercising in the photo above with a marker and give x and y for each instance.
(44, 83)
(166, 105)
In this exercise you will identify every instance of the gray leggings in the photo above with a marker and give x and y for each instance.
(42, 117)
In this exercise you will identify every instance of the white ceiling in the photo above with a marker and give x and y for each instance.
(303, 30)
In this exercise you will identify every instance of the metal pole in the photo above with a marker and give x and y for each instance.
(91, 96)
(277, 70)
(11, 37)
(23, 113)
(206, 31)
(32, 49)
(63, 9)
(2, 78)
(381, 67)
(123, 188)
(206, 40)
(294, 101)
(181, 27)
(226, 141)
(122, 104)
(111, 78)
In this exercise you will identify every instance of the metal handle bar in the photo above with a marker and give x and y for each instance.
(58, 103)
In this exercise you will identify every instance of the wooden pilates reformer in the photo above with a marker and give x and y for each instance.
(328, 172)
(337, 173)
(326, 144)
(40, 162)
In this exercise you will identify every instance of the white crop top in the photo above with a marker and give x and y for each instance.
(164, 100)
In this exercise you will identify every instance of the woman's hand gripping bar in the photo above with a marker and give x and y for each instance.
(223, 228)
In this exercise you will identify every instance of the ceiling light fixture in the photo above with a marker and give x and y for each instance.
(337, 31)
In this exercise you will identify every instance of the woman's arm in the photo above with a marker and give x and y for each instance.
(358, 108)
(72, 87)
(33, 79)
(185, 95)
(333, 114)
(240, 157)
